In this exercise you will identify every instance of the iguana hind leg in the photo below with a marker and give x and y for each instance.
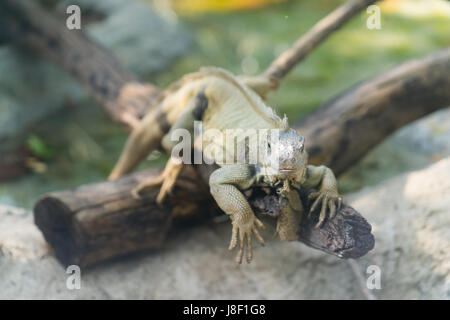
(144, 138)
(166, 179)
(173, 167)
(225, 184)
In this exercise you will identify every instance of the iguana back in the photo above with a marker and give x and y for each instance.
(227, 104)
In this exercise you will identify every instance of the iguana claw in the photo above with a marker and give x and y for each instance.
(244, 230)
(166, 179)
(328, 199)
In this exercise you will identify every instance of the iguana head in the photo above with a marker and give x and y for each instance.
(288, 158)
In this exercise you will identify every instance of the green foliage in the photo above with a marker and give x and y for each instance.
(39, 148)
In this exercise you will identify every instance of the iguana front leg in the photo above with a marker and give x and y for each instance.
(225, 184)
(322, 179)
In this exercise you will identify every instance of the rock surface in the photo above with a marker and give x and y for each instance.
(410, 215)
(31, 88)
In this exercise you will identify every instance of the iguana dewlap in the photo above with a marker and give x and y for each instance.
(232, 107)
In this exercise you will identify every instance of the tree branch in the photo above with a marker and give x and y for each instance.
(315, 36)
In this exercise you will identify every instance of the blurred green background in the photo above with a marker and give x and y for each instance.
(79, 144)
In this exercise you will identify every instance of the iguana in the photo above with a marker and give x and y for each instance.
(222, 101)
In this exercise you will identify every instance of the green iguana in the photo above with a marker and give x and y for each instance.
(222, 102)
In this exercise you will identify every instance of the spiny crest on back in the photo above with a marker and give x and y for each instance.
(284, 123)
(251, 96)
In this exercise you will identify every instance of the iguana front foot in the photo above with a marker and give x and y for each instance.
(225, 185)
(243, 230)
(328, 199)
(166, 179)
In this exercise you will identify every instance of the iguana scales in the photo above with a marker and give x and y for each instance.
(222, 101)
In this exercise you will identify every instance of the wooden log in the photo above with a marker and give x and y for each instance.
(100, 221)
